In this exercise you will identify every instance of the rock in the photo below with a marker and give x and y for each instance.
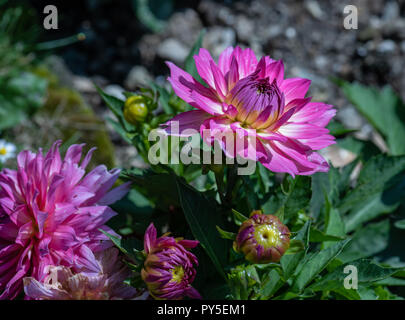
(350, 118)
(244, 28)
(83, 84)
(147, 48)
(314, 9)
(184, 26)
(391, 11)
(337, 156)
(290, 33)
(172, 49)
(386, 46)
(115, 90)
(321, 61)
(226, 16)
(218, 39)
(138, 76)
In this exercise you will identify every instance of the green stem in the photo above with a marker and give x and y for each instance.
(219, 179)
(232, 179)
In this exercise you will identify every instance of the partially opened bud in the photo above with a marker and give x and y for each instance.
(135, 109)
(169, 266)
(262, 238)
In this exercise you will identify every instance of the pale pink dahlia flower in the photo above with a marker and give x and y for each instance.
(252, 100)
(51, 213)
(63, 284)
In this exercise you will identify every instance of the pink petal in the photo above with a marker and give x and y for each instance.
(203, 63)
(276, 161)
(275, 71)
(317, 113)
(187, 88)
(302, 130)
(224, 61)
(186, 120)
(294, 88)
(247, 61)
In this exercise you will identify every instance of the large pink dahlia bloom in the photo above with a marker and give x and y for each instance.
(252, 100)
(51, 213)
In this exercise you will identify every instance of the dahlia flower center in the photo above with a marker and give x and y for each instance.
(3, 151)
(257, 101)
(177, 274)
(267, 235)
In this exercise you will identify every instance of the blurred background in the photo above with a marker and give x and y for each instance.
(121, 45)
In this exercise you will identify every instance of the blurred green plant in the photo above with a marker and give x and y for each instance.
(153, 13)
(18, 33)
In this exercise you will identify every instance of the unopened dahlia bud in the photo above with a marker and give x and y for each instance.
(169, 267)
(262, 238)
(135, 109)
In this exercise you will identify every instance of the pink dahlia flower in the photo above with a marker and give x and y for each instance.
(51, 213)
(251, 100)
(63, 284)
(169, 267)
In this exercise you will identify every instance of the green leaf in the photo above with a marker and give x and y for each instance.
(164, 97)
(296, 246)
(239, 217)
(243, 280)
(367, 272)
(391, 281)
(400, 224)
(189, 63)
(317, 235)
(293, 200)
(337, 129)
(20, 96)
(271, 283)
(333, 184)
(127, 246)
(334, 225)
(290, 262)
(380, 187)
(203, 218)
(161, 188)
(226, 234)
(116, 106)
(367, 241)
(315, 265)
(383, 109)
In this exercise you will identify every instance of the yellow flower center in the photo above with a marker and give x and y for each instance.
(267, 235)
(177, 274)
(3, 151)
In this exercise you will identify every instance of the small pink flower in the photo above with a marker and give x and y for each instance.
(168, 269)
(252, 99)
(51, 213)
(63, 284)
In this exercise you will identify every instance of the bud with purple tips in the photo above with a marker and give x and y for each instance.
(262, 238)
(169, 267)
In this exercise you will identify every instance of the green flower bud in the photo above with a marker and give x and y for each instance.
(135, 109)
